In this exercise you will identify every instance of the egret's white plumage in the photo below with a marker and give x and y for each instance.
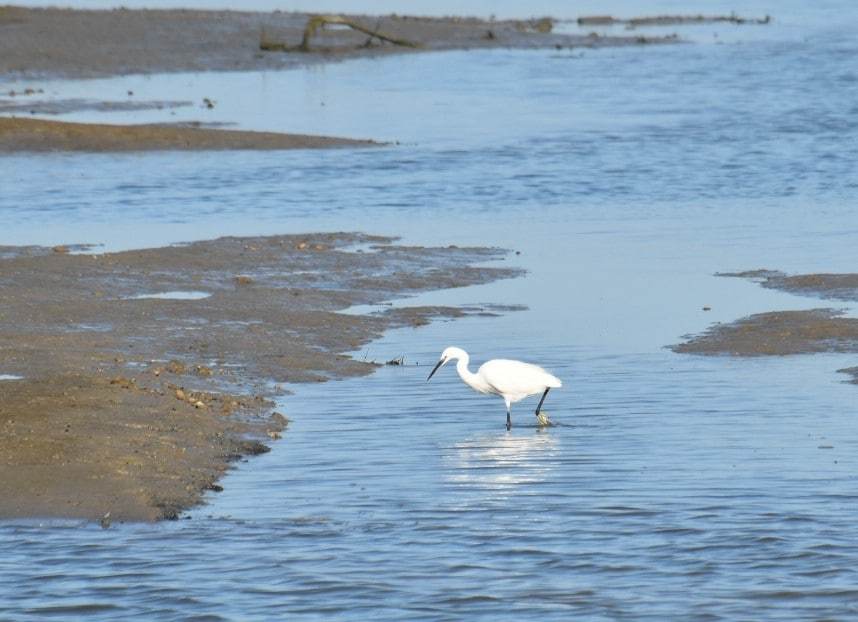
(512, 380)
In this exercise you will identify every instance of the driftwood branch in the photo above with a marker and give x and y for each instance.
(320, 21)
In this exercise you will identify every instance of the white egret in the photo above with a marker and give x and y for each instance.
(512, 380)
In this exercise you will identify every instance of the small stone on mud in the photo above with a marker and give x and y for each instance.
(204, 371)
(180, 395)
(60, 249)
(274, 435)
(302, 246)
(243, 279)
(199, 404)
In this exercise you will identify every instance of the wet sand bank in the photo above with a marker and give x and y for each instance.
(781, 333)
(145, 373)
(44, 43)
(826, 286)
(777, 334)
(25, 134)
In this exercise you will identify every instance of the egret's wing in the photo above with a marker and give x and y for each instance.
(516, 378)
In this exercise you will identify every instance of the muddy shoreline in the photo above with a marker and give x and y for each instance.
(145, 373)
(52, 43)
(780, 333)
(36, 135)
(777, 333)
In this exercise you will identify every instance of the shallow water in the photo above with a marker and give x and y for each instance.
(174, 295)
(676, 486)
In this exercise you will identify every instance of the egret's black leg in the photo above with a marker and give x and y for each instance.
(539, 406)
(508, 422)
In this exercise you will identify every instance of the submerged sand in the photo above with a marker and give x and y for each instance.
(135, 404)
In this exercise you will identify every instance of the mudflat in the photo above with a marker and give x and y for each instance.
(51, 42)
(828, 286)
(785, 332)
(144, 374)
(778, 333)
(26, 134)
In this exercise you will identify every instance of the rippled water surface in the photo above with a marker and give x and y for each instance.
(675, 487)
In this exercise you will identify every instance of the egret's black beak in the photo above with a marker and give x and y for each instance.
(437, 365)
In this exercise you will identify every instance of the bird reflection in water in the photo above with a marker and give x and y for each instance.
(499, 461)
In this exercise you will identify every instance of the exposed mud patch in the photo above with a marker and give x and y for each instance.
(785, 332)
(778, 333)
(137, 406)
(38, 43)
(35, 135)
(822, 285)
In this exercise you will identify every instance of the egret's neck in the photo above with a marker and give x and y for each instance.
(470, 379)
